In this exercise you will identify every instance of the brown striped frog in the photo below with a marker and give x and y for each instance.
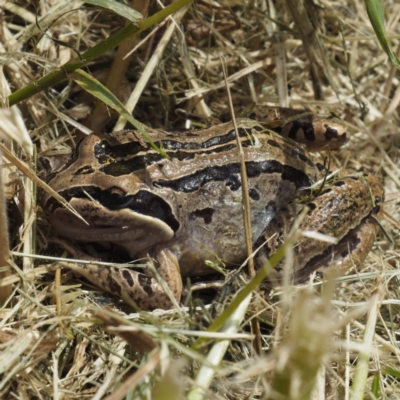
(185, 209)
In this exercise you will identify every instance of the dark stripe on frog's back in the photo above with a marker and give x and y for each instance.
(138, 163)
(125, 159)
(128, 146)
(230, 173)
(105, 150)
(135, 164)
(130, 157)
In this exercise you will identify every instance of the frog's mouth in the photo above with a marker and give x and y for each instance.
(112, 216)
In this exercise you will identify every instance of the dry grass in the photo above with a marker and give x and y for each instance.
(62, 351)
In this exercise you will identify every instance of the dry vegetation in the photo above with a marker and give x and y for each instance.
(346, 337)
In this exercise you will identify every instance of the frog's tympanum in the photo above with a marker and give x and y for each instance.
(187, 208)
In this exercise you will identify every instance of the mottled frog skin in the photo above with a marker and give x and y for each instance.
(187, 208)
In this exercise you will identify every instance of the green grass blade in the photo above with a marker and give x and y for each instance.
(94, 87)
(375, 385)
(114, 40)
(376, 16)
(392, 372)
(118, 8)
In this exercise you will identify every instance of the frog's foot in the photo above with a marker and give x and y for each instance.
(128, 284)
(167, 266)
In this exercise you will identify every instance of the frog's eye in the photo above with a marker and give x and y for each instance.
(115, 199)
(143, 202)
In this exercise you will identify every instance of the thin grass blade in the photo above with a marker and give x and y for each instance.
(376, 16)
(118, 8)
(111, 42)
(94, 87)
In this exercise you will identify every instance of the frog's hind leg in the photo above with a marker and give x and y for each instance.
(352, 250)
(341, 211)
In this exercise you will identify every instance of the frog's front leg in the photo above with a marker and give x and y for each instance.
(127, 284)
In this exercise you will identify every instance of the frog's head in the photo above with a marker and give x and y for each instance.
(118, 208)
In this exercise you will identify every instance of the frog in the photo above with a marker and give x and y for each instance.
(184, 207)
